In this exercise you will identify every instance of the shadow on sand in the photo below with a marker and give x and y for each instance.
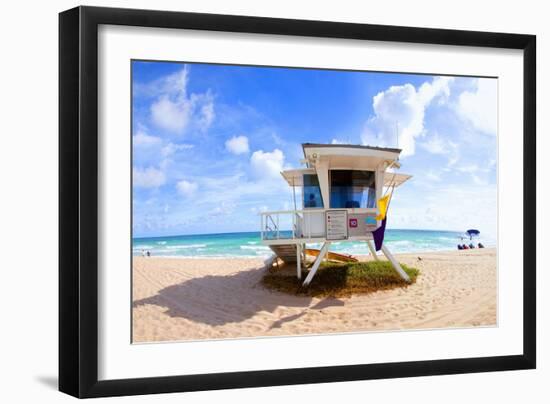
(221, 299)
(323, 304)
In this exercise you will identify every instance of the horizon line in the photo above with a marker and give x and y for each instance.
(257, 231)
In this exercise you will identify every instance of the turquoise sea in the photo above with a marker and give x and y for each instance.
(249, 244)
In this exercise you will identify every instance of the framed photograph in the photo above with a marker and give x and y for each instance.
(251, 201)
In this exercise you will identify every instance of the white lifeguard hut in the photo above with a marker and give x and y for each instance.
(341, 186)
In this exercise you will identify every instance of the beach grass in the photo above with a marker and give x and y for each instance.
(339, 279)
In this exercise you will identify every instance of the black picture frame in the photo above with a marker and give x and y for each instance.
(78, 201)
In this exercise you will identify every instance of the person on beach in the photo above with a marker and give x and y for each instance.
(148, 254)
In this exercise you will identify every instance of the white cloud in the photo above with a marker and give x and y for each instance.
(267, 164)
(148, 178)
(207, 114)
(172, 115)
(171, 148)
(186, 188)
(450, 208)
(165, 164)
(454, 154)
(479, 180)
(479, 107)
(237, 145)
(433, 176)
(435, 145)
(477, 173)
(437, 89)
(256, 210)
(142, 139)
(471, 168)
(174, 110)
(439, 146)
(277, 139)
(399, 114)
(224, 209)
(340, 141)
(171, 84)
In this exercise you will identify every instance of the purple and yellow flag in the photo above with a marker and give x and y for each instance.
(378, 234)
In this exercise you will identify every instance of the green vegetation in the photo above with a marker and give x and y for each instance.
(337, 280)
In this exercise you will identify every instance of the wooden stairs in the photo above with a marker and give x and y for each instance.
(286, 252)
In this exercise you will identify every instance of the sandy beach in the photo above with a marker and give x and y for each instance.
(188, 299)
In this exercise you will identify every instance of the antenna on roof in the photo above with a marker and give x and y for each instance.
(397, 135)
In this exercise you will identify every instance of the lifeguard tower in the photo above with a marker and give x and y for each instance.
(341, 186)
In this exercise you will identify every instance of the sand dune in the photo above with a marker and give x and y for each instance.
(183, 299)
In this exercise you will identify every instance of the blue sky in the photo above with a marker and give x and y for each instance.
(209, 142)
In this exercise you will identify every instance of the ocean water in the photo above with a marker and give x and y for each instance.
(246, 245)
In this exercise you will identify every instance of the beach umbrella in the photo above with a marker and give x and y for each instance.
(472, 232)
